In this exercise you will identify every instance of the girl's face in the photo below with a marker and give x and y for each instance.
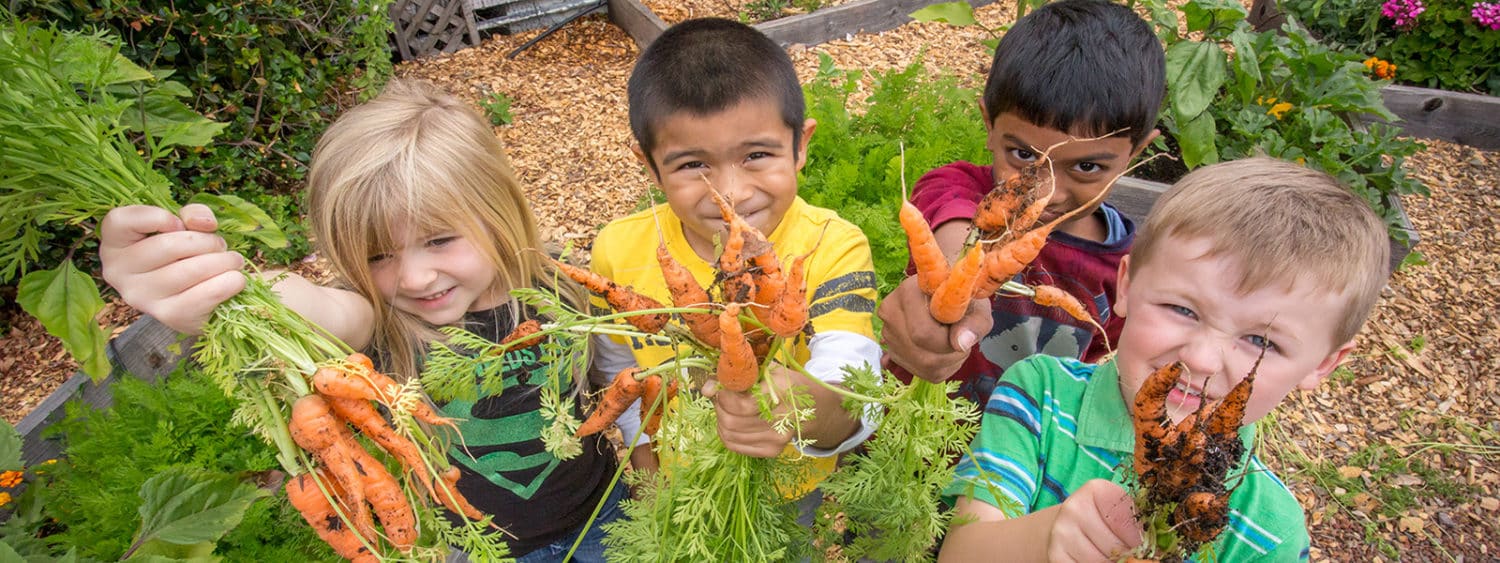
(436, 276)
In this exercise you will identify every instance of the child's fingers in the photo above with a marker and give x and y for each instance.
(124, 226)
(915, 341)
(198, 217)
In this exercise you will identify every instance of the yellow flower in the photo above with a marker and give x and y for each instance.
(1370, 63)
(1301, 160)
(1279, 110)
(10, 479)
(4, 499)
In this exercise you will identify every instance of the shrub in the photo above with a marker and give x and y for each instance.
(1447, 44)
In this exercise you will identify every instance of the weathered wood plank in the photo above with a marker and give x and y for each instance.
(146, 349)
(860, 16)
(1469, 119)
(637, 20)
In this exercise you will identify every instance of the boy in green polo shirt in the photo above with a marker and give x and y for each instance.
(1238, 259)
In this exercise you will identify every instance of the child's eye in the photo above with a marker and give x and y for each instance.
(1023, 155)
(1260, 341)
(692, 165)
(378, 258)
(758, 155)
(441, 241)
(1184, 311)
(1088, 167)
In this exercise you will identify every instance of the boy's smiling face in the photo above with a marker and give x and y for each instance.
(1184, 306)
(1083, 168)
(746, 152)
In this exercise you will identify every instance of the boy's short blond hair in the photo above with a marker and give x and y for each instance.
(1283, 224)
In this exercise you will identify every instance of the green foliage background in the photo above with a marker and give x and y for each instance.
(276, 73)
(854, 161)
(1446, 49)
(182, 421)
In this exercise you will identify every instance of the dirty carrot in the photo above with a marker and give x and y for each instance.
(686, 292)
(621, 299)
(315, 428)
(738, 370)
(931, 264)
(998, 209)
(449, 496)
(618, 397)
(304, 495)
(787, 315)
(650, 393)
(343, 381)
(367, 419)
(951, 300)
(524, 336)
(1230, 412)
(386, 498)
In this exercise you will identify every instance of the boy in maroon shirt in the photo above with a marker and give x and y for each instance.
(1073, 69)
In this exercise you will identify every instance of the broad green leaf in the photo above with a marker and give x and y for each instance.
(1196, 137)
(184, 506)
(1246, 65)
(9, 555)
(10, 447)
(1195, 71)
(66, 301)
(240, 219)
(1214, 16)
(954, 13)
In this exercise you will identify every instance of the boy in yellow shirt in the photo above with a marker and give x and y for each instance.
(715, 104)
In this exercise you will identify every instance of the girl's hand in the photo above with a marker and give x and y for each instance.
(739, 423)
(174, 269)
(1096, 523)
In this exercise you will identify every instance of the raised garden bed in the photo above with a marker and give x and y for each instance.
(860, 16)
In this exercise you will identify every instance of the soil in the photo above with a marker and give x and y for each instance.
(1396, 456)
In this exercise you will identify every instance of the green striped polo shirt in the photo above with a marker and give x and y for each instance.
(1054, 423)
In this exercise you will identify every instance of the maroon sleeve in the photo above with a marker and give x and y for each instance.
(951, 192)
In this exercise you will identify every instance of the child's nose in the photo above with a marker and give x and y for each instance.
(416, 276)
(1203, 355)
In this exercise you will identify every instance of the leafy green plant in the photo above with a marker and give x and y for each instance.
(1445, 48)
(765, 10)
(160, 472)
(1281, 94)
(275, 74)
(854, 162)
(497, 107)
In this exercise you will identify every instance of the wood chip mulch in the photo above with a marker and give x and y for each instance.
(1397, 456)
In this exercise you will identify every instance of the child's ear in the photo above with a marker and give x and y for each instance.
(808, 127)
(640, 156)
(1326, 367)
(1122, 285)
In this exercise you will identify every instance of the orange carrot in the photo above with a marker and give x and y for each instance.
(1003, 263)
(337, 381)
(304, 495)
(363, 416)
(624, 391)
(932, 266)
(687, 293)
(787, 315)
(386, 498)
(524, 336)
(651, 391)
(1050, 296)
(998, 208)
(1150, 413)
(1202, 515)
(450, 497)
(1230, 413)
(738, 370)
(951, 300)
(621, 299)
(314, 427)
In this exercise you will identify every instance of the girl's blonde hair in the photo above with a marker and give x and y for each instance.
(418, 157)
(1283, 224)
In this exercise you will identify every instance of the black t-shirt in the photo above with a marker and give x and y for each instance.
(533, 495)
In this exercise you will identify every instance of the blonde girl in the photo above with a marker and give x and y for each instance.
(414, 204)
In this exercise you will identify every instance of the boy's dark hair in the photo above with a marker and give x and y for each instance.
(708, 65)
(1090, 64)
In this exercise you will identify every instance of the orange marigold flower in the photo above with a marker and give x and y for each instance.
(4, 499)
(1279, 110)
(10, 479)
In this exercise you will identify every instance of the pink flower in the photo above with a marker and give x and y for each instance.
(1404, 12)
(1487, 14)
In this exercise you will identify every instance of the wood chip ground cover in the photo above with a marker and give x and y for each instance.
(1396, 456)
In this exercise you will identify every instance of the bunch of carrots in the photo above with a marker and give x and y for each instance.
(1006, 239)
(749, 278)
(1182, 467)
(347, 476)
